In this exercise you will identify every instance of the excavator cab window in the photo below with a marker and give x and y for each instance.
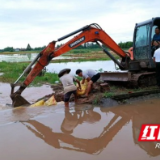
(142, 42)
(154, 44)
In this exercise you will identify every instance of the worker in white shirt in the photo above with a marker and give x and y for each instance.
(156, 58)
(91, 76)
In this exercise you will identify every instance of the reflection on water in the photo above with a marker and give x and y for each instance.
(71, 121)
(18, 57)
(109, 133)
(23, 57)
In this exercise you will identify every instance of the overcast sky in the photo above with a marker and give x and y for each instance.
(38, 22)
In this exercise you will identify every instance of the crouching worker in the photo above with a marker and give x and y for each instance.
(91, 76)
(68, 85)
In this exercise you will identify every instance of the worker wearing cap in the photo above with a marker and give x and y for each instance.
(91, 76)
(68, 85)
(156, 58)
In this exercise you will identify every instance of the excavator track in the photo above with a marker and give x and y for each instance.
(130, 79)
(147, 80)
(143, 79)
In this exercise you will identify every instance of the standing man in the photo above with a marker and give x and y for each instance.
(91, 76)
(68, 85)
(156, 58)
(156, 37)
(156, 40)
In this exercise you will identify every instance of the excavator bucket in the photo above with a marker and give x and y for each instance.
(17, 100)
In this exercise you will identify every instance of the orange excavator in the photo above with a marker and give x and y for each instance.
(138, 61)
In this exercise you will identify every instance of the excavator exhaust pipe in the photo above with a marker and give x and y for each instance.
(17, 100)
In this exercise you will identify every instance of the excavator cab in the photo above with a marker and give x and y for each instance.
(142, 45)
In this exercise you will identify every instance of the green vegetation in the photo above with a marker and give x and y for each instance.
(109, 94)
(11, 71)
(78, 55)
(85, 48)
(28, 48)
(87, 52)
(19, 52)
(8, 49)
(81, 55)
(125, 44)
(75, 51)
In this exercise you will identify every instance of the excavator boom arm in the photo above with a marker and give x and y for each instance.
(88, 34)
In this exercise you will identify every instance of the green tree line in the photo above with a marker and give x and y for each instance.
(126, 44)
(84, 46)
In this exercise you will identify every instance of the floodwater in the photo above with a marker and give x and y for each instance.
(23, 57)
(95, 65)
(56, 67)
(30, 94)
(80, 132)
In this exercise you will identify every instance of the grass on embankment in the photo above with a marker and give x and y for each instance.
(76, 54)
(83, 57)
(120, 90)
(11, 71)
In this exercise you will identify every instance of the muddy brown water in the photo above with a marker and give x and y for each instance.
(31, 94)
(80, 132)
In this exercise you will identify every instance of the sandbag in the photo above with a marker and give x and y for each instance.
(39, 103)
(50, 101)
(83, 88)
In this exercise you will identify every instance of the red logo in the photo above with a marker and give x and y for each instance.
(150, 132)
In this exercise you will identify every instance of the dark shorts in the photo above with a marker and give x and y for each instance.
(95, 77)
(158, 73)
(68, 95)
